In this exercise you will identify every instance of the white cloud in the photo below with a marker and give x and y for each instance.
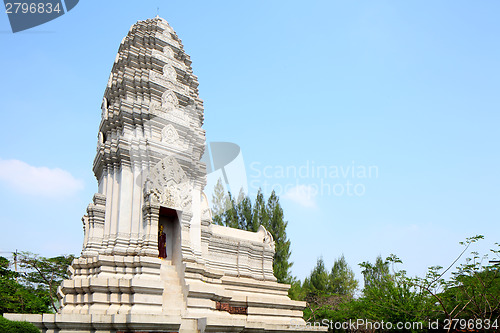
(303, 195)
(40, 181)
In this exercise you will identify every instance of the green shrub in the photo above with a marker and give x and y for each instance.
(7, 326)
(24, 327)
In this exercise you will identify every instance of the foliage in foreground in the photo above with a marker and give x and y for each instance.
(470, 298)
(34, 288)
(7, 326)
(45, 274)
(472, 294)
(16, 297)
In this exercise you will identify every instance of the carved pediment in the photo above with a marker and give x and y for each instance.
(169, 101)
(168, 185)
(170, 136)
(169, 73)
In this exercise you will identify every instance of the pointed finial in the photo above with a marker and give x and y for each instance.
(157, 11)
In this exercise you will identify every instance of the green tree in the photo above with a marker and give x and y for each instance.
(277, 227)
(375, 275)
(260, 214)
(473, 291)
(471, 295)
(318, 280)
(393, 297)
(45, 274)
(297, 290)
(342, 280)
(315, 288)
(231, 215)
(243, 215)
(220, 203)
(329, 295)
(245, 212)
(18, 298)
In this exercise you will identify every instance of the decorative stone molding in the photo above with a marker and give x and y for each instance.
(168, 185)
(170, 73)
(169, 101)
(170, 136)
(206, 213)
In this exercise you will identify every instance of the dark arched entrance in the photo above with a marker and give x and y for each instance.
(169, 222)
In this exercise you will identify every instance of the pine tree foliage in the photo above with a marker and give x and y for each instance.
(317, 282)
(342, 279)
(339, 281)
(277, 227)
(327, 293)
(220, 203)
(242, 214)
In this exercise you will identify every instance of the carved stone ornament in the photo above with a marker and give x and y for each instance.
(100, 139)
(170, 73)
(169, 135)
(268, 238)
(104, 108)
(176, 115)
(169, 101)
(168, 185)
(206, 213)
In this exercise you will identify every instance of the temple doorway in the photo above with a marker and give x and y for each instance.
(168, 234)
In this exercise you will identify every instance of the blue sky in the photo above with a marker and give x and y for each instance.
(409, 88)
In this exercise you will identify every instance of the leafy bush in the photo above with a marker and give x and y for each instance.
(23, 327)
(7, 326)
(471, 295)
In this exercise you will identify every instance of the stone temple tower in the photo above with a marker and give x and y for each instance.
(152, 261)
(149, 148)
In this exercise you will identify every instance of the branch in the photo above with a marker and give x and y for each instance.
(453, 263)
(46, 281)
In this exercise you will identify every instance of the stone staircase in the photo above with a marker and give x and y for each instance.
(173, 301)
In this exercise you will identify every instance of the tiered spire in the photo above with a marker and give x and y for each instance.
(151, 110)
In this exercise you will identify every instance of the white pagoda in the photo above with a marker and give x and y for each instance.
(152, 261)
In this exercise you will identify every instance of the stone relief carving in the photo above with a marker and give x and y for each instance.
(100, 140)
(104, 108)
(176, 115)
(268, 238)
(168, 185)
(170, 73)
(169, 84)
(167, 51)
(169, 135)
(163, 81)
(168, 57)
(169, 101)
(206, 213)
